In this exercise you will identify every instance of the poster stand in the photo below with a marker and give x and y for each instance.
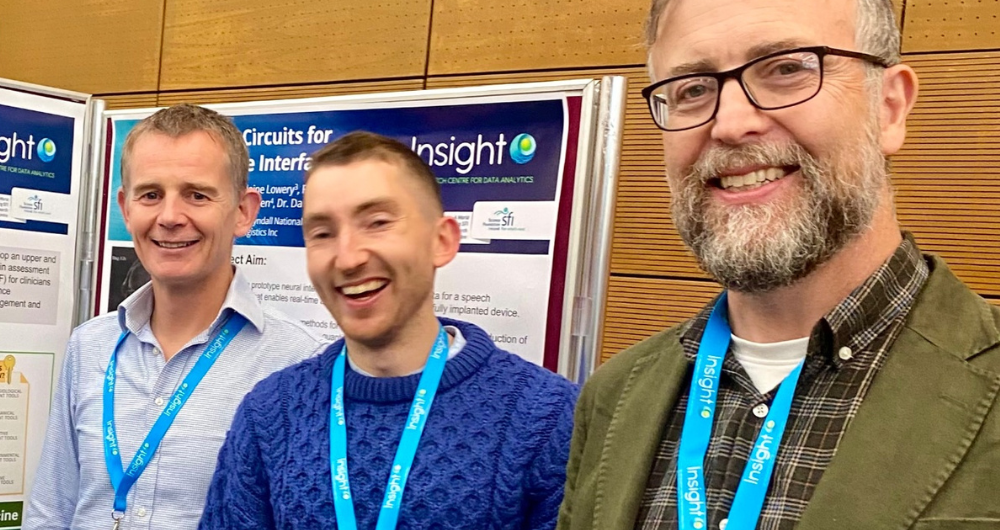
(556, 185)
(44, 182)
(539, 292)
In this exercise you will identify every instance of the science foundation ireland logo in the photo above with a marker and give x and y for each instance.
(522, 149)
(46, 150)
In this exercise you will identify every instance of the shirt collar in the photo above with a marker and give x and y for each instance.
(857, 320)
(134, 313)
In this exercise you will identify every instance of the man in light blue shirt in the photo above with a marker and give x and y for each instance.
(184, 198)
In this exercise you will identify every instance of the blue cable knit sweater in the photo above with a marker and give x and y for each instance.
(492, 455)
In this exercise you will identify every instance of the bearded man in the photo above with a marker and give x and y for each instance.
(843, 379)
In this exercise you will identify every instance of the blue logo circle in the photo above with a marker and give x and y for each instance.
(522, 149)
(46, 150)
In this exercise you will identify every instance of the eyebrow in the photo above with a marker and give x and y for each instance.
(319, 218)
(315, 219)
(204, 189)
(768, 48)
(376, 204)
(759, 50)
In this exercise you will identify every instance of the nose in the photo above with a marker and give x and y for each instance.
(173, 213)
(737, 119)
(352, 253)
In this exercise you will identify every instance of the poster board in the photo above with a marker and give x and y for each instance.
(516, 167)
(44, 139)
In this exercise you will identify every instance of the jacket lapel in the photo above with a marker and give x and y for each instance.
(919, 418)
(634, 434)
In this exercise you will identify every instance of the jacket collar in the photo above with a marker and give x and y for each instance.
(919, 418)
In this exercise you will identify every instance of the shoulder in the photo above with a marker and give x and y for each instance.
(99, 326)
(949, 317)
(287, 328)
(298, 381)
(539, 381)
(95, 336)
(614, 372)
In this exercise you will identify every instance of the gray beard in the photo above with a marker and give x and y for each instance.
(759, 248)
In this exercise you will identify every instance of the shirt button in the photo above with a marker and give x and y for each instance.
(845, 354)
(760, 410)
(723, 523)
(158, 401)
(141, 512)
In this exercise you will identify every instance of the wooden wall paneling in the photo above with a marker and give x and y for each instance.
(202, 97)
(645, 241)
(238, 43)
(129, 101)
(947, 175)
(897, 7)
(951, 25)
(91, 46)
(640, 307)
(453, 81)
(470, 36)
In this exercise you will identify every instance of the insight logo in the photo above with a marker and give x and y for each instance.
(17, 147)
(46, 150)
(522, 149)
(463, 155)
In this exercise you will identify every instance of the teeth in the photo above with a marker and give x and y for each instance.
(354, 290)
(753, 179)
(165, 244)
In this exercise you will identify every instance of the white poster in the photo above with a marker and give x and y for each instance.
(41, 143)
(505, 165)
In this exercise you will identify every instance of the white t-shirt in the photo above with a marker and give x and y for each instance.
(769, 364)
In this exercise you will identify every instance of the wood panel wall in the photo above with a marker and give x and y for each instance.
(140, 53)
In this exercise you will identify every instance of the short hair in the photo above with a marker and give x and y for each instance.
(875, 29)
(183, 119)
(359, 146)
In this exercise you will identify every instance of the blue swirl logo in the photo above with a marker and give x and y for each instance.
(46, 150)
(522, 149)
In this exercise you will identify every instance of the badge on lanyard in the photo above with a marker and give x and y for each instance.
(123, 479)
(692, 503)
(406, 451)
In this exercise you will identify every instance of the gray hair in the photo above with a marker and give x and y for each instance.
(876, 31)
(184, 119)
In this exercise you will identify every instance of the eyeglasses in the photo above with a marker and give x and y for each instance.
(775, 81)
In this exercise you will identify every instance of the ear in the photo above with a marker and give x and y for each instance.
(899, 94)
(121, 206)
(446, 241)
(247, 210)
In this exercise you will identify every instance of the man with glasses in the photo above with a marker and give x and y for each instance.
(843, 380)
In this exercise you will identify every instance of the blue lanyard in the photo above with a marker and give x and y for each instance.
(405, 452)
(692, 504)
(122, 479)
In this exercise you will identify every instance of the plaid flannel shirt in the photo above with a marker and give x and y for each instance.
(846, 349)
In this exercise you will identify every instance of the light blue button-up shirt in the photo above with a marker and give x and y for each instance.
(72, 488)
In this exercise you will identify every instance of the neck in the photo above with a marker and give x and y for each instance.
(792, 312)
(405, 354)
(180, 313)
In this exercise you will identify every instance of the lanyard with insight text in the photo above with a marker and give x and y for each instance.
(692, 503)
(123, 479)
(405, 452)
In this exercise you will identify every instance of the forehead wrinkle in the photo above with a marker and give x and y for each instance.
(692, 32)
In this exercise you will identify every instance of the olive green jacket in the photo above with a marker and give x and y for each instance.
(923, 451)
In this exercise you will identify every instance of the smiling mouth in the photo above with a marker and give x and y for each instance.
(753, 179)
(365, 290)
(173, 244)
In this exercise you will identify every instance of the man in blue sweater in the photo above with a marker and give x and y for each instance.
(411, 421)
